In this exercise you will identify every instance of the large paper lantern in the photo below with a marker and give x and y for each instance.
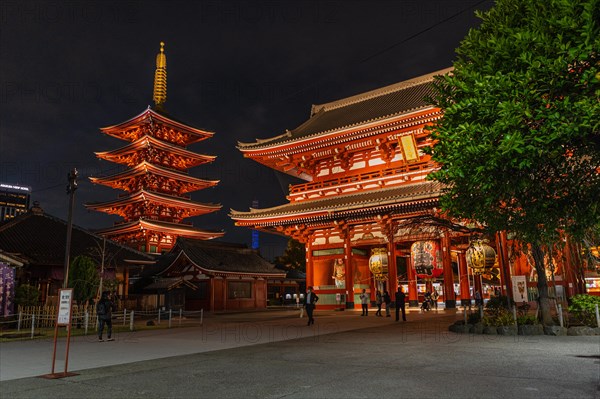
(426, 259)
(480, 257)
(378, 263)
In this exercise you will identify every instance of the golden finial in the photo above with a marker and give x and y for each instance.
(160, 79)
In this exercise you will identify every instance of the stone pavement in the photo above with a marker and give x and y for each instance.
(274, 355)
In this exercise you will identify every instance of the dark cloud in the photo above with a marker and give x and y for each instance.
(243, 69)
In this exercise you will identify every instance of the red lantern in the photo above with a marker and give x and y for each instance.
(427, 259)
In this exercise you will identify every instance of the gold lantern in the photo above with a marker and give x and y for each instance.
(480, 257)
(378, 263)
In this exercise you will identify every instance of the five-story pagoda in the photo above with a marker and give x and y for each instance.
(156, 181)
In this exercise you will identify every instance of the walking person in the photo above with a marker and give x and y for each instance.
(400, 305)
(378, 301)
(388, 303)
(478, 299)
(104, 309)
(434, 298)
(364, 302)
(309, 305)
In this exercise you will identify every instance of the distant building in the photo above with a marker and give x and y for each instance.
(34, 245)
(210, 275)
(14, 200)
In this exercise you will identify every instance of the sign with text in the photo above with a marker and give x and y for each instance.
(64, 307)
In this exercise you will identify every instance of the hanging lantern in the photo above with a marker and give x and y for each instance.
(378, 263)
(480, 257)
(426, 259)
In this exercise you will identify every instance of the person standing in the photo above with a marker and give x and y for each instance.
(364, 301)
(309, 305)
(378, 301)
(104, 309)
(400, 305)
(388, 303)
(478, 299)
(434, 298)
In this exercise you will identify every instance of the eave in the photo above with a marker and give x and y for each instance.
(162, 227)
(151, 114)
(405, 198)
(144, 195)
(146, 167)
(149, 142)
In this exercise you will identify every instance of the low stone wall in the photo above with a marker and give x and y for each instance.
(527, 329)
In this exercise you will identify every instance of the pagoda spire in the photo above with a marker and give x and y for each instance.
(160, 79)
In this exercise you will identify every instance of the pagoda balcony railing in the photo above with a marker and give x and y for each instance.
(183, 196)
(356, 179)
(120, 222)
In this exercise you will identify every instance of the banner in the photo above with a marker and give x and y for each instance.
(519, 286)
(7, 289)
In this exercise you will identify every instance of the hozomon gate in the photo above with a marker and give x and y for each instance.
(365, 170)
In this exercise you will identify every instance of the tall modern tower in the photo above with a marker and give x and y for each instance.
(156, 181)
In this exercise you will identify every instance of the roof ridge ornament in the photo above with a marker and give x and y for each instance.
(160, 79)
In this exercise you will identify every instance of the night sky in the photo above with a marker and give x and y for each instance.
(244, 70)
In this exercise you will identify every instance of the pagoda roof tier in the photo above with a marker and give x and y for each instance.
(122, 205)
(157, 151)
(157, 124)
(129, 180)
(373, 106)
(155, 226)
(403, 199)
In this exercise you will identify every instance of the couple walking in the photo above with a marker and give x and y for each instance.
(380, 299)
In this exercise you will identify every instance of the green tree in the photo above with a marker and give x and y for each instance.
(519, 143)
(294, 257)
(84, 279)
(27, 295)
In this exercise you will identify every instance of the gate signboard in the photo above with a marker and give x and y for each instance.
(64, 307)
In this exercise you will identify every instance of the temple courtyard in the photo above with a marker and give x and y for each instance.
(273, 354)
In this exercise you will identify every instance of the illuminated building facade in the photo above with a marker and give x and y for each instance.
(14, 200)
(362, 211)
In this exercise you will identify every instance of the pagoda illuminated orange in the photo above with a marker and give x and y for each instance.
(157, 178)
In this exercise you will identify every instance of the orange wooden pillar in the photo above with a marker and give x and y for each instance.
(392, 269)
(413, 297)
(449, 296)
(349, 279)
(463, 274)
(309, 264)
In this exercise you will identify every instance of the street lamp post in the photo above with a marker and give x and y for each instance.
(71, 187)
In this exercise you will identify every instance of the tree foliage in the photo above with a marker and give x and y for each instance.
(83, 278)
(519, 143)
(294, 257)
(27, 295)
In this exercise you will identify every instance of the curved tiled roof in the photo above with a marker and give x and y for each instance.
(216, 256)
(40, 238)
(379, 104)
(360, 202)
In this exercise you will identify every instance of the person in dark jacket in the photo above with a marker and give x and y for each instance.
(400, 305)
(309, 304)
(388, 303)
(104, 309)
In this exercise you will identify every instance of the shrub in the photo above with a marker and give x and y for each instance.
(498, 302)
(473, 318)
(527, 320)
(501, 317)
(27, 295)
(583, 308)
